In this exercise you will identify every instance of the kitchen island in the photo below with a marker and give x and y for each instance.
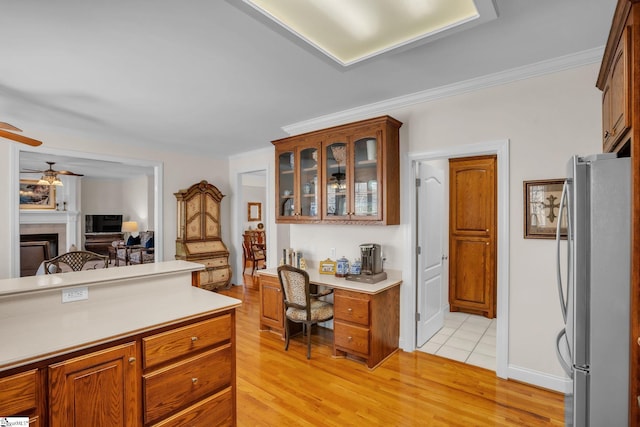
(366, 324)
(133, 346)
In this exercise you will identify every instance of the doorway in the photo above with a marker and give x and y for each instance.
(252, 218)
(438, 314)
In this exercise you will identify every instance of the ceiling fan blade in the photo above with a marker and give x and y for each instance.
(68, 173)
(30, 171)
(23, 139)
(5, 125)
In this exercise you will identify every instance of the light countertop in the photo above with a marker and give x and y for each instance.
(129, 300)
(394, 278)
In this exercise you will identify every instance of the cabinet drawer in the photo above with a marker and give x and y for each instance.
(351, 338)
(18, 393)
(177, 386)
(186, 340)
(213, 411)
(214, 276)
(214, 262)
(351, 309)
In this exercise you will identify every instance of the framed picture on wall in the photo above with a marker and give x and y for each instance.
(35, 196)
(542, 209)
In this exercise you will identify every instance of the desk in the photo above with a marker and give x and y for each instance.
(366, 316)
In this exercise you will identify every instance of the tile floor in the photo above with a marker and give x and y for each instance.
(467, 338)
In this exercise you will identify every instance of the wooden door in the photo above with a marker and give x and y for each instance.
(472, 235)
(98, 389)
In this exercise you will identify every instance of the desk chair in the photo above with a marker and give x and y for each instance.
(254, 252)
(76, 261)
(300, 305)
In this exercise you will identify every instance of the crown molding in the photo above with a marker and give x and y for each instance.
(383, 107)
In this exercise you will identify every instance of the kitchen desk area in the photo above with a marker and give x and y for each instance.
(366, 320)
(132, 346)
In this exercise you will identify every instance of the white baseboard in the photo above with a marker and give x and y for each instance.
(540, 379)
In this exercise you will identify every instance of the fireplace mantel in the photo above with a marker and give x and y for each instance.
(68, 218)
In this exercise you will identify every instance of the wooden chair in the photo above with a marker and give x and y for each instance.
(253, 250)
(300, 304)
(76, 261)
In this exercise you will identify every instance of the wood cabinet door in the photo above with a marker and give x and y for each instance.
(472, 235)
(271, 305)
(99, 389)
(617, 94)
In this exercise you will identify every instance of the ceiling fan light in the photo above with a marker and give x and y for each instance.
(57, 182)
(43, 181)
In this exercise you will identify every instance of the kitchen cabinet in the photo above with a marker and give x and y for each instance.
(97, 389)
(619, 75)
(297, 176)
(189, 373)
(366, 326)
(22, 395)
(616, 96)
(199, 235)
(347, 174)
(472, 235)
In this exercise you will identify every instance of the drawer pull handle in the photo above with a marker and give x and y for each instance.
(349, 309)
(194, 380)
(132, 359)
(194, 339)
(350, 338)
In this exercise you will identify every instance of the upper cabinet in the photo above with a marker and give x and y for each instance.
(615, 82)
(347, 174)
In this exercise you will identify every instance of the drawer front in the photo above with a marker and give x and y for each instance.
(214, 276)
(351, 309)
(351, 338)
(213, 411)
(18, 393)
(178, 386)
(214, 262)
(186, 340)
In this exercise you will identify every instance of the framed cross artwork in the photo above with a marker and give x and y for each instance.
(542, 209)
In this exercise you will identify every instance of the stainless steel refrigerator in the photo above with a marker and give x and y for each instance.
(594, 289)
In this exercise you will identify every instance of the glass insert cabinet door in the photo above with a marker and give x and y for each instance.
(308, 186)
(336, 174)
(286, 184)
(366, 182)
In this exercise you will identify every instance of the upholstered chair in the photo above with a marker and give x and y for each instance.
(300, 304)
(144, 254)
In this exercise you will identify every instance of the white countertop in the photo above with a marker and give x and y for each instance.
(92, 277)
(394, 278)
(37, 325)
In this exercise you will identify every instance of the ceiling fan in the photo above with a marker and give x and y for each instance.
(4, 132)
(50, 176)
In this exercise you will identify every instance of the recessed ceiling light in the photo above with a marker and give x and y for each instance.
(351, 31)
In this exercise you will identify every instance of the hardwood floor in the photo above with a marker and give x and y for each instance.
(277, 387)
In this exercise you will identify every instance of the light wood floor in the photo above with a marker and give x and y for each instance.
(278, 388)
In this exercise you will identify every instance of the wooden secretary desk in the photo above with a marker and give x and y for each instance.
(198, 238)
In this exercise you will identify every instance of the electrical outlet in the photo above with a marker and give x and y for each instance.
(332, 253)
(75, 294)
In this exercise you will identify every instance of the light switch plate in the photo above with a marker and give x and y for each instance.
(75, 294)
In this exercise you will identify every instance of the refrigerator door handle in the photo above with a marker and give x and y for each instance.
(563, 206)
(565, 366)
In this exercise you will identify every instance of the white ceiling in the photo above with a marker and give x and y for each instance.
(214, 76)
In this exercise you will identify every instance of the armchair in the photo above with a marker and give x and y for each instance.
(145, 253)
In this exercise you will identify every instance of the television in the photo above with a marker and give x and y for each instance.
(102, 223)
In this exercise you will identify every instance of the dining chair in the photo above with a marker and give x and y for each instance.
(76, 261)
(300, 304)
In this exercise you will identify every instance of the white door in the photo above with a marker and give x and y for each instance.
(430, 289)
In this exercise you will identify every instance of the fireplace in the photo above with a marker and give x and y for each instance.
(52, 238)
